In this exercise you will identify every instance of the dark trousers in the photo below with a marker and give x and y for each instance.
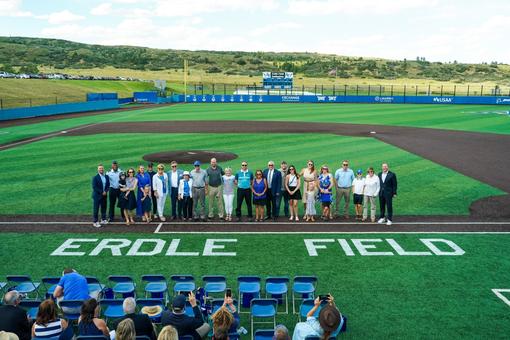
(386, 202)
(285, 197)
(187, 207)
(114, 196)
(273, 204)
(244, 194)
(176, 204)
(154, 204)
(99, 203)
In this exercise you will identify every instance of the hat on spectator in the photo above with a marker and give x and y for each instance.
(179, 302)
(114, 162)
(196, 163)
(329, 318)
(185, 173)
(359, 171)
(152, 310)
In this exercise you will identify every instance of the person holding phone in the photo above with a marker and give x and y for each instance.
(328, 324)
(186, 325)
(226, 319)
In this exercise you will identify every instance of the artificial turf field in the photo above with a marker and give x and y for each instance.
(384, 296)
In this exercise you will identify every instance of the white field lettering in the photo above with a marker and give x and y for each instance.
(223, 247)
(384, 247)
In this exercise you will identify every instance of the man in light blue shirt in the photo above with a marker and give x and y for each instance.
(244, 180)
(343, 177)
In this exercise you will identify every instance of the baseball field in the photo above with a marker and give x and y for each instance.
(430, 275)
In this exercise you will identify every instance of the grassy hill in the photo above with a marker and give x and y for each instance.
(64, 55)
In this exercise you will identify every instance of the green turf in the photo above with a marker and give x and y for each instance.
(61, 168)
(455, 117)
(404, 297)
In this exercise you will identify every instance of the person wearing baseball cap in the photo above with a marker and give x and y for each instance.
(329, 323)
(185, 195)
(186, 325)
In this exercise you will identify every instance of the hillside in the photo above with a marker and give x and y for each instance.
(19, 52)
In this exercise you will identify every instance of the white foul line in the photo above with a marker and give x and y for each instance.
(159, 227)
(501, 296)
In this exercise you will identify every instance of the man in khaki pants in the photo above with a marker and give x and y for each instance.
(214, 172)
(343, 179)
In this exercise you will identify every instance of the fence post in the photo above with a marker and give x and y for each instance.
(404, 91)
(369, 90)
(56, 100)
(468, 91)
(380, 90)
(481, 90)
(303, 90)
(441, 90)
(30, 101)
(1, 104)
(334, 92)
(213, 89)
(392, 90)
(345, 90)
(322, 89)
(315, 89)
(428, 93)
(357, 90)
(224, 89)
(416, 93)
(454, 90)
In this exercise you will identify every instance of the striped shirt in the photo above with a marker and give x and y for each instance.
(52, 329)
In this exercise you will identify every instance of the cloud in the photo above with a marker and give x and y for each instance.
(12, 8)
(184, 8)
(102, 9)
(330, 7)
(274, 28)
(62, 17)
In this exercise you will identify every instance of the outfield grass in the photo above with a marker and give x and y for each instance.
(62, 167)
(384, 297)
(454, 117)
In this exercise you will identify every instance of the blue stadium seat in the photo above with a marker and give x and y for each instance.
(31, 306)
(262, 308)
(217, 303)
(74, 304)
(123, 284)
(214, 284)
(50, 283)
(306, 306)
(112, 308)
(264, 334)
(152, 302)
(304, 286)
(94, 285)
(23, 284)
(183, 283)
(156, 286)
(247, 285)
(277, 287)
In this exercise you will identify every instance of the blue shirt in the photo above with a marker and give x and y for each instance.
(344, 178)
(244, 179)
(114, 178)
(103, 179)
(75, 287)
(162, 178)
(186, 188)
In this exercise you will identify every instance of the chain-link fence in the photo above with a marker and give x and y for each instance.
(8, 103)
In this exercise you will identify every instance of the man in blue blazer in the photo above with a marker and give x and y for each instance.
(174, 177)
(100, 186)
(274, 190)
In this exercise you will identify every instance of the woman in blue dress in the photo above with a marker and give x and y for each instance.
(326, 190)
(259, 188)
(143, 180)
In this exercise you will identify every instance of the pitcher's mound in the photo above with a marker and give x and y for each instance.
(189, 156)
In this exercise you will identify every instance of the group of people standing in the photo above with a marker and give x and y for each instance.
(264, 189)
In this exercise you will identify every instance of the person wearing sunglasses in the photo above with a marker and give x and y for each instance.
(174, 177)
(343, 177)
(244, 181)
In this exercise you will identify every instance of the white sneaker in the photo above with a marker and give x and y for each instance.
(104, 222)
(162, 219)
(381, 220)
(389, 222)
(97, 225)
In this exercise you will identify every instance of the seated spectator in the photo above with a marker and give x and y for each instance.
(72, 286)
(168, 333)
(143, 325)
(125, 330)
(47, 324)
(89, 322)
(281, 333)
(226, 317)
(186, 325)
(329, 324)
(13, 318)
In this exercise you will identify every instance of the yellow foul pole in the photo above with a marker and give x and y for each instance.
(185, 78)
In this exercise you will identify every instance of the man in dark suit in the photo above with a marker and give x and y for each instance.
(143, 324)
(274, 190)
(13, 318)
(388, 191)
(100, 186)
(184, 324)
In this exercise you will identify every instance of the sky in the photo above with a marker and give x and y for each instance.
(438, 30)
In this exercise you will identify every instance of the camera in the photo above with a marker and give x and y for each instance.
(324, 297)
(228, 292)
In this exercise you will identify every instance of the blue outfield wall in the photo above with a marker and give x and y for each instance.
(101, 96)
(47, 110)
(341, 99)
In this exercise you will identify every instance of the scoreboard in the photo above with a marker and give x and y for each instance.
(277, 80)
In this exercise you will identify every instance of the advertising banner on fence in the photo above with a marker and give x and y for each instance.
(207, 98)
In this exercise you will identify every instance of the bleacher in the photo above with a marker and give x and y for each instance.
(262, 300)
